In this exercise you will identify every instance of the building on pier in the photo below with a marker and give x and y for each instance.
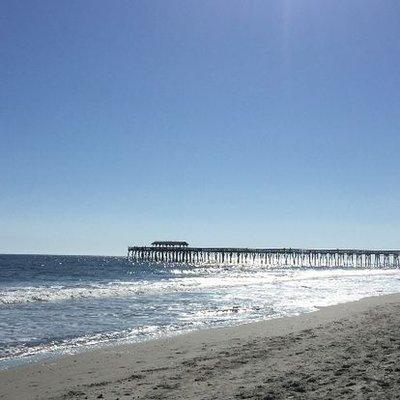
(169, 243)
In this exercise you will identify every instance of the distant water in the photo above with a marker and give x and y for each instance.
(51, 305)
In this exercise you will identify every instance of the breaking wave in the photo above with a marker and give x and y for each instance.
(182, 282)
(51, 305)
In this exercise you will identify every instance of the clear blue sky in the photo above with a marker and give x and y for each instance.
(243, 123)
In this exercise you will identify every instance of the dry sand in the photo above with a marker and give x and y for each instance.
(348, 351)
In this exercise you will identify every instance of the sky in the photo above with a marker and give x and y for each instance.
(222, 123)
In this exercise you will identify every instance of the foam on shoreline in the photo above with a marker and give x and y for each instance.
(249, 360)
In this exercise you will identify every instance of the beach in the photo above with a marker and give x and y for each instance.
(345, 351)
(199, 200)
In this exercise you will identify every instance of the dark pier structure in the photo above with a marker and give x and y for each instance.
(180, 252)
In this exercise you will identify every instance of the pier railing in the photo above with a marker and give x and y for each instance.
(268, 257)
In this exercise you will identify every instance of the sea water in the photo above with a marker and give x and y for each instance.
(53, 305)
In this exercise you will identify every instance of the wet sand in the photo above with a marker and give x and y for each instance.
(347, 351)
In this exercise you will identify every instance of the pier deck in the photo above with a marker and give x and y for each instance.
(267, 256)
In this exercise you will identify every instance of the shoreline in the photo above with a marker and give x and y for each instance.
(47, 350)
(49, 356)
(228, 362)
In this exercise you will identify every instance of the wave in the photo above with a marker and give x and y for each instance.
(180, 283)
(70, 345)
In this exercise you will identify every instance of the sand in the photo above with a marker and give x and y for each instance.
(347, 351)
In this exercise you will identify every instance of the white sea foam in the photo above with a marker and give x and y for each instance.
(85, 314)
(69, 346)
(52, 307)
(184, 283)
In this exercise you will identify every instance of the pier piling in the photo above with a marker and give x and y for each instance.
(180, 252)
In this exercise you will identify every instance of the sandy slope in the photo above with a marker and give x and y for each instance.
(340, 352)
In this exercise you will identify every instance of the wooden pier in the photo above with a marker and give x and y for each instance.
(181, 252)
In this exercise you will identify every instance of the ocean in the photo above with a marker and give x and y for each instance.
(54, 305)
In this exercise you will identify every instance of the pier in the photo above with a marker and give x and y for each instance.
(181, 252)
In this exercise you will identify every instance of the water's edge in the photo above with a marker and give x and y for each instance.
(56, 305)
